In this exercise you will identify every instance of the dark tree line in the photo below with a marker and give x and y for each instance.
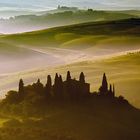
(69, 89)
(104, 90)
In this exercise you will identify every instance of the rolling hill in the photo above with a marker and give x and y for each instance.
(90, 34)
(92, 119)
(95, 40)
(122, 70)
(94, 48)
(58, 17)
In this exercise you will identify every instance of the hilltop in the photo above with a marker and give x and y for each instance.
(37, 115)
(60, 17)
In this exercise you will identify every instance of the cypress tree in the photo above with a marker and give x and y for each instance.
(60, 79)
(56, 85)
(110, 88)
(110, 92)
(21, 87)
(104, 84)
(60, 86)
(49, 86)
(38, 81)
(68, 84)
(56, 79)
(82, 78)
(39, 87)
(49, 81)
(113, 90)
(68, 76)
(21, 90)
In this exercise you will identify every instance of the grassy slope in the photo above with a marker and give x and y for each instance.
(95, 119)
(60, 18)
(131, 12)
(101, 35)
(9, 49)
(93, 37)
(122, 70)
(88, 34)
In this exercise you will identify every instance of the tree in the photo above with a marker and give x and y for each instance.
(82, 78)
(60, 86)
(21, 87)
(49, 81)
(38, 81)
(60, 79)
(113, 90)
(59, 7)
(90, 10)
(104, 83)
(49, 86)
(104, 87)
(12, 97)
(39, 87)
(110, 91)
(110, 88)
(56, 79)
(68, 76)
(56, 85)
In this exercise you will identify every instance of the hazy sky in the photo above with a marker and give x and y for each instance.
(44, 4)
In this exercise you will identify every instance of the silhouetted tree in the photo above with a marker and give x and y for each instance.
(59, 7)
(104, 87)
(68, 76)
(121, 98)
(110, 88)
(12, 97)
(82, 78)
(60, 87)
(39, 87)
(56, 79)
(90, 10)
(48, 88)
(110, 92)
(21, 87)
(56, 85)
(104, 83)
(113, 90)
(60, 78)
(68, 85)
(71, 88)
(49, 81)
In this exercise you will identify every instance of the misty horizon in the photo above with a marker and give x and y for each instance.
(41, 5)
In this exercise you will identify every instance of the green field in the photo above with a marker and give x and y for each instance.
(88, 34)
(49, 19)
(123, 71)
(94, 39)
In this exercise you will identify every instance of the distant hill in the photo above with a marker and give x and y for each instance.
(59, 9)
(11, 13)
(60, 17)
(6, 14)
(131, 12)
(79, 34)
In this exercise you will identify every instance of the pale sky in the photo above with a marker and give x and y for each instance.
(49, 4)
